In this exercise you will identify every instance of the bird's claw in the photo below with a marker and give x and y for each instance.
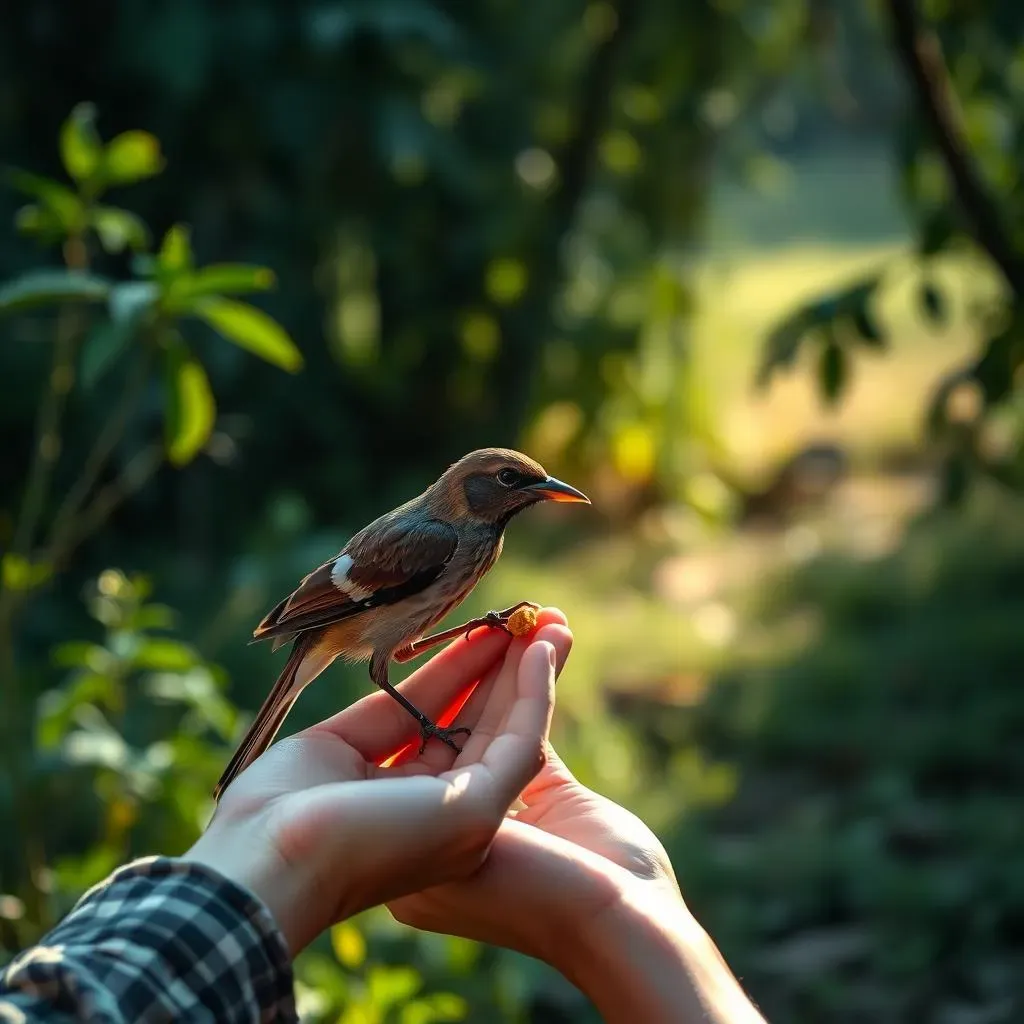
(495, 620)
(499, 620)
(429, 729)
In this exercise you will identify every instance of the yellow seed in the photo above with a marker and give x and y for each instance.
(523, 620)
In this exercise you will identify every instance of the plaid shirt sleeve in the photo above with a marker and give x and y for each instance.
(158, 940)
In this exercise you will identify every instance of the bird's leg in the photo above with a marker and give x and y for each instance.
(379, 674)
(495, 620)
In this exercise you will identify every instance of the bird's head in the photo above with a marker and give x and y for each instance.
(493, 484)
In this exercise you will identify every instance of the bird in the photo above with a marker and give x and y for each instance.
(393, 581)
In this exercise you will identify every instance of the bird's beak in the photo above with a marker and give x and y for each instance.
(554, 490)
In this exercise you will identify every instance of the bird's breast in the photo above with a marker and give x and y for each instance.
(398, 625)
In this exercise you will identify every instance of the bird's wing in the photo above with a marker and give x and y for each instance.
(387, 561)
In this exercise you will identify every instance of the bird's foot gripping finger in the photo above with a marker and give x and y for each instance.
(429, 729)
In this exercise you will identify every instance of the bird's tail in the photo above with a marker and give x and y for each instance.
(270, 716)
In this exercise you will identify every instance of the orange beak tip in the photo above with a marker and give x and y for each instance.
(555, 490)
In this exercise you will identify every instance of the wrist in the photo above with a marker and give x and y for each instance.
(647, 958)
(233, 853)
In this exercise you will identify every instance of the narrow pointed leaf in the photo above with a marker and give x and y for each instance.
(176, 251)
(251, 329)
(48, 287)
(832, 371)
(218, 279)
(55, 197)
(190, 409)
(782, 344)
(80, 148)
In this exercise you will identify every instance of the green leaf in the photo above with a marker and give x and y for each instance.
(996, 367)
(20, 574)
(81, 654)
(190, 409)
(783, 344)
(118, 229)
(153, 616)
(61, 201)
(392, 986)
(434, 1009)
(933, 303)
(218, 279)
(348, 944)
(251, 329)
(80, 148)
(162, 655)
(132, 156)
(48, 287)
(176, 251)
(39, 221)
(832, 371)
(867, 328)
(130, 300)
(864, 322)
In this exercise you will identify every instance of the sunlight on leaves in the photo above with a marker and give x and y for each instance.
(80, 146)
(176, 251)
(118, 229)
(21, 574)
(348, 944)
(218, 279)
(190, 409)
(132, 156)
(252, 329)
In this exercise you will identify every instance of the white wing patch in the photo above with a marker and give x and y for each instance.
(339, 577)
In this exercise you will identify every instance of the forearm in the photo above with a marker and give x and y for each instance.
(158, 940)
(657, 965)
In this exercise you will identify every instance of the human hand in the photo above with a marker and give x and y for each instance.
(567, 859)
(583, 884)
(347, 814)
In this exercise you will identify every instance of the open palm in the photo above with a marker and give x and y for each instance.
(347, 814)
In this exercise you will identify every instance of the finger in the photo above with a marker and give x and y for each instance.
(466, 711)
(498, 702)
(489, 704)
(376, 725)
(517, 754)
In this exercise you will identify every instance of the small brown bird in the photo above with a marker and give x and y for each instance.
(394, 580)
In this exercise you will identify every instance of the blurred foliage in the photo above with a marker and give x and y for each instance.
(960, 151)
(871, 866)
(484, 228)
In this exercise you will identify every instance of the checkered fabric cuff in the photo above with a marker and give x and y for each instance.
(158, 940)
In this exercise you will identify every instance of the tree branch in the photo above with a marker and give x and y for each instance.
(139, 469)
(921, 54)
(112, 432)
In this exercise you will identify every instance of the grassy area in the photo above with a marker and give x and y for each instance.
(885, 404)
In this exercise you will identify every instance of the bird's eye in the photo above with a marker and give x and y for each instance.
(508, 477)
